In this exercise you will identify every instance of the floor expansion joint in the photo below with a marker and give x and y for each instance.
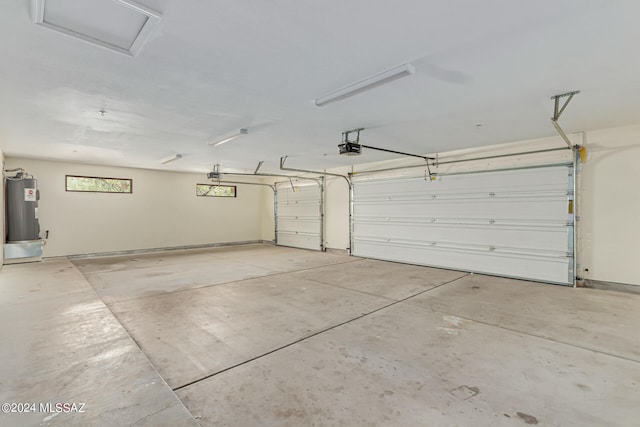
(363, 315)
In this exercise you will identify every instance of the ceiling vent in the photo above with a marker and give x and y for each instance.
(120, 25)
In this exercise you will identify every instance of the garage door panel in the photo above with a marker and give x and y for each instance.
(299, 193)
(543, 268)
(299, 240)
(529, 180)
(301, 211)
(553, 208)
(514, 223)
(536, 238)
(302, 225)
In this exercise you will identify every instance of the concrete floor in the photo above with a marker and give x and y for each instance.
(263, 335)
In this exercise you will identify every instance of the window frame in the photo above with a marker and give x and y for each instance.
(235, 191)
(66, 187)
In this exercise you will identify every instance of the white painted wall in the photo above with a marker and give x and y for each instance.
(163, 210)
(268, 219)
(610, 210)
(336, 213)
(609, 229)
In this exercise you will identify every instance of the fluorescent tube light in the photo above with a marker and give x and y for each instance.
(170, 159)
(366, 84)
(222, 141)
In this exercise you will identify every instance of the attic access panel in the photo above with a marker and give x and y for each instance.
(514, 223)
(120, 25)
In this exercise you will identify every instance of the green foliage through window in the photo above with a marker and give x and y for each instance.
(208, 190)
(98, 185)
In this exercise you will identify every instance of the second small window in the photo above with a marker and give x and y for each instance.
(208, 190)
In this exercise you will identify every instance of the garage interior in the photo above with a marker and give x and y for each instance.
(342, 213)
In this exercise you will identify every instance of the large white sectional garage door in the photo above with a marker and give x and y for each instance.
(514, 223)
(299, 216)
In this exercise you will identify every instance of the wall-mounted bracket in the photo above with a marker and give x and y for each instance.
(557, 112)
(258, 167)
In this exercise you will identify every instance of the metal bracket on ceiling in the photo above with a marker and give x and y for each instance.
(215, 173)
(557, 112)
(346, 133)
(259, 166)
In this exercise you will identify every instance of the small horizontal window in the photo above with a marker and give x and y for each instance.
(93, 184)
(208, 190)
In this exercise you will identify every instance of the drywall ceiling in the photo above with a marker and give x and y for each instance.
(213, 67)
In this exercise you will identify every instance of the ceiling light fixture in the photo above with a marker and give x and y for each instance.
(366, 84)
(170, 159)
(232, 137)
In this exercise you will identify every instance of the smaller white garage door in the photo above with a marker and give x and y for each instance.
(299, 216)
